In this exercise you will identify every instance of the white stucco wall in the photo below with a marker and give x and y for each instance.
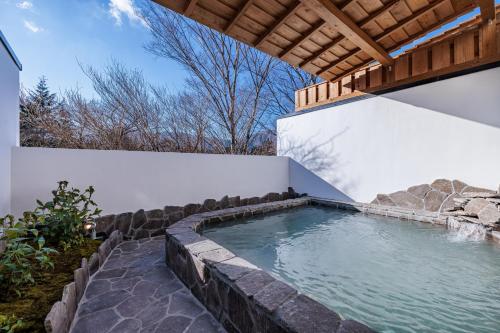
(9, 123)
(382, 144)
(128, 181)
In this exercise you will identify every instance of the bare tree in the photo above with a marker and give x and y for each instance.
(231, 77)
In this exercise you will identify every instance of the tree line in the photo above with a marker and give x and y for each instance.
(232, 96)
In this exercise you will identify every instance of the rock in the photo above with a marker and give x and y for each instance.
(171, 209)
(122, 222)
(115, 238)
(140, 234)
(223, 203)
(138, 219)
(406, 200)
(93, 263)
(153, 224)
(449, 203)
(105, 224)
(476, 190)
(191, 209)
(458, 186)
(385, 200)
(154, 214)
(461, 202)
(81, 279)
(273, 295)
(103, 251)
(489, 215)
(419, 190)
(433, 200)
(443, 185)
(234, 202)
(69, 300)
(302, 314)
(475, 206)
(480, 194)
(273, 196)
(254, 201)
(291, 193)
(251, 284)
(57, 319)
(210, 204)
(243, 202)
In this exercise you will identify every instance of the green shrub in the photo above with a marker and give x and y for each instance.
(10, 324)
(25, 252)
(62, 219)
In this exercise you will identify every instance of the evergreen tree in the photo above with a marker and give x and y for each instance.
(38, 106)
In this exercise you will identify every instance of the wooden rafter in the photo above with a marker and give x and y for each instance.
(290, 12)
(362, 24)
(347, 27)
(403, 43)
(421, 12)
(311, 31)
(241, 12)
(487, 9)
(190, 7)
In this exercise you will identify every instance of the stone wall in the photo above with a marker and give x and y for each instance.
(143, 224)
(240, 295)
(435, 197)
(62, 313)
(452, 201)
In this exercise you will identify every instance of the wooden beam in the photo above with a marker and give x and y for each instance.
(362, 24)
(406, 41)
(286, 15)
(241, 12)
(487, 9)
(311, 31)
(488, 39)
(344, 25)
(190, 7)
(419, 13)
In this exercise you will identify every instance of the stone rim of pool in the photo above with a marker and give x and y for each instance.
(242, 296)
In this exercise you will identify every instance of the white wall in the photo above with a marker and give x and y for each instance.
(382, 144)
(128, 181)
(9, 123)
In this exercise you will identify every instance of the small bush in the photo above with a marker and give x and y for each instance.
(10, 324)
(25, 253)
(62, 219)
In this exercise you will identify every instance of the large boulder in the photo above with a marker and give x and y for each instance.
(473, 207)
(433, 200)
(443, 185)
(406, 200)
(458, 186)
(489, 215)
(385, 200)
(419, 190)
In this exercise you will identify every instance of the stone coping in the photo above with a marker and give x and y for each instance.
(396, 212)
(388, 211)
(240, 295)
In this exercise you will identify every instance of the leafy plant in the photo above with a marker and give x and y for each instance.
(24, 253)
(10, 324)
(62, 219)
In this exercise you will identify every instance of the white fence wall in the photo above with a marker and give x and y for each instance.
(128, 181)
(382, 144)
(9, 122)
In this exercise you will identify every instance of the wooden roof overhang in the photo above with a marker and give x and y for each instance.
(328, 38)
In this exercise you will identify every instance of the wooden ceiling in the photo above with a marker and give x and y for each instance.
(328, 38)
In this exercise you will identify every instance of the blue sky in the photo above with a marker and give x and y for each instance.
(50, 37)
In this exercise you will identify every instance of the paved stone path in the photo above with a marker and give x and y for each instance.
(136, 292)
